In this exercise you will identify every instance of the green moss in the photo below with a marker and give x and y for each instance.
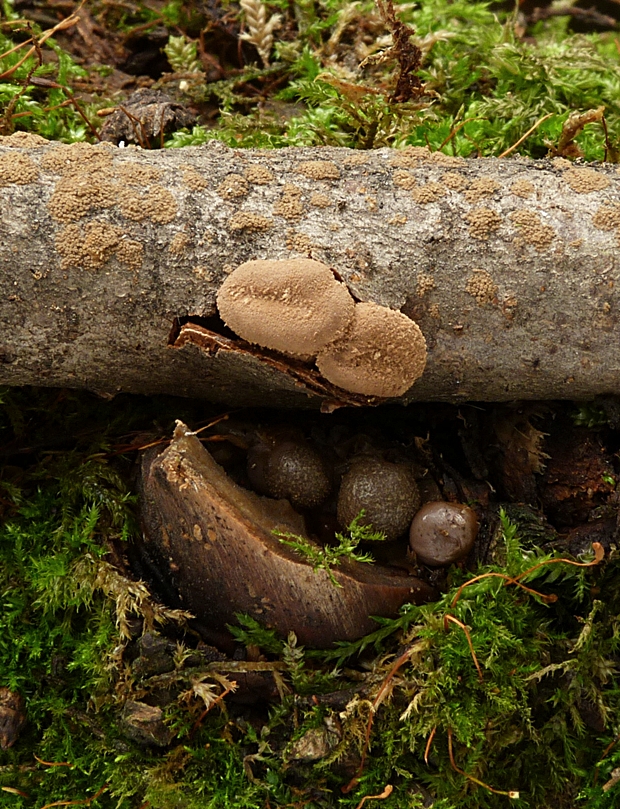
(330, 556)
(68, 613)
(37, 97)
(486, 84)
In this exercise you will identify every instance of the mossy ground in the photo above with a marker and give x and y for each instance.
(489, 74)
(406, 706)
(438, 728)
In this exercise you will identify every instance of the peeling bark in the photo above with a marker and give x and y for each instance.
(510, 267)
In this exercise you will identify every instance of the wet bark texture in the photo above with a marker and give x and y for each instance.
(510, 267)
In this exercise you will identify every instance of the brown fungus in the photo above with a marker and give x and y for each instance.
(382, 353)
(442, 533)
(387, 492)
(17, 169)
(295, 305)
(288, 467)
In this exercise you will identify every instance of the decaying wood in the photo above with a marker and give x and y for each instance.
(510, 267)
(216, 539)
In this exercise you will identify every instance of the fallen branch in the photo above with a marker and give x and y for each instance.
(110, 261)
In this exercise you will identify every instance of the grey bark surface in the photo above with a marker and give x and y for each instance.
(510, 267)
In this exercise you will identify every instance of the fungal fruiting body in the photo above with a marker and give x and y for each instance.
(298, 307)
(289, 468)
(387, 493)
(443, 533)
(295, 306)
(382, 353)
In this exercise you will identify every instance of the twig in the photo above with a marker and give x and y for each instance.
(606, 752)
(53, 763)
(427, 749)
(135, 122)
(511, 793)
(69, 22)
(83, 802)
(375, 704)
(385, 794)
(6, 124)
(15, 791)
(454, 131)
(527, 134)
(40, 82)
(589, 15)
(124, 448)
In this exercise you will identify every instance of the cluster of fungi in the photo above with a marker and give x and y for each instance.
(300, 308)
(283, 464)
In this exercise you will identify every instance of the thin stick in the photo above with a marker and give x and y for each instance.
(459, 592)
(132, 448)
(39, 82)
(455, 129)
(62, 25)
(446, 620)
(527, 134)
(385, 794)
(224, 417)
(511, 794)
(82, 802)
(135, 122)
(551, 598)
(15, 791)
(399, 662)
(597, 548)
(427, 749)
(53, 763)
(599, 554)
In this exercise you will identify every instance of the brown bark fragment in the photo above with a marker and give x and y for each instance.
(12, 717)
(218, 542)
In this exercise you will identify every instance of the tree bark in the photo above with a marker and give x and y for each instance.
(510, 267)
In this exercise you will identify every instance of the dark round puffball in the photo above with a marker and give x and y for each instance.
(387, 492)
(291, 469)
(442, 533)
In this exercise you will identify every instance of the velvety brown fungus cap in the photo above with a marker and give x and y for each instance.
(295, 306)
(381, 354)
(442, 533)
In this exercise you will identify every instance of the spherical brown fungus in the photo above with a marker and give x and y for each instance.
(382, 353)
(295, 305)
(442, 533)
(289, 468)
(387, 492)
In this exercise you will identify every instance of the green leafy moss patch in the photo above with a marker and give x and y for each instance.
(501, 693)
